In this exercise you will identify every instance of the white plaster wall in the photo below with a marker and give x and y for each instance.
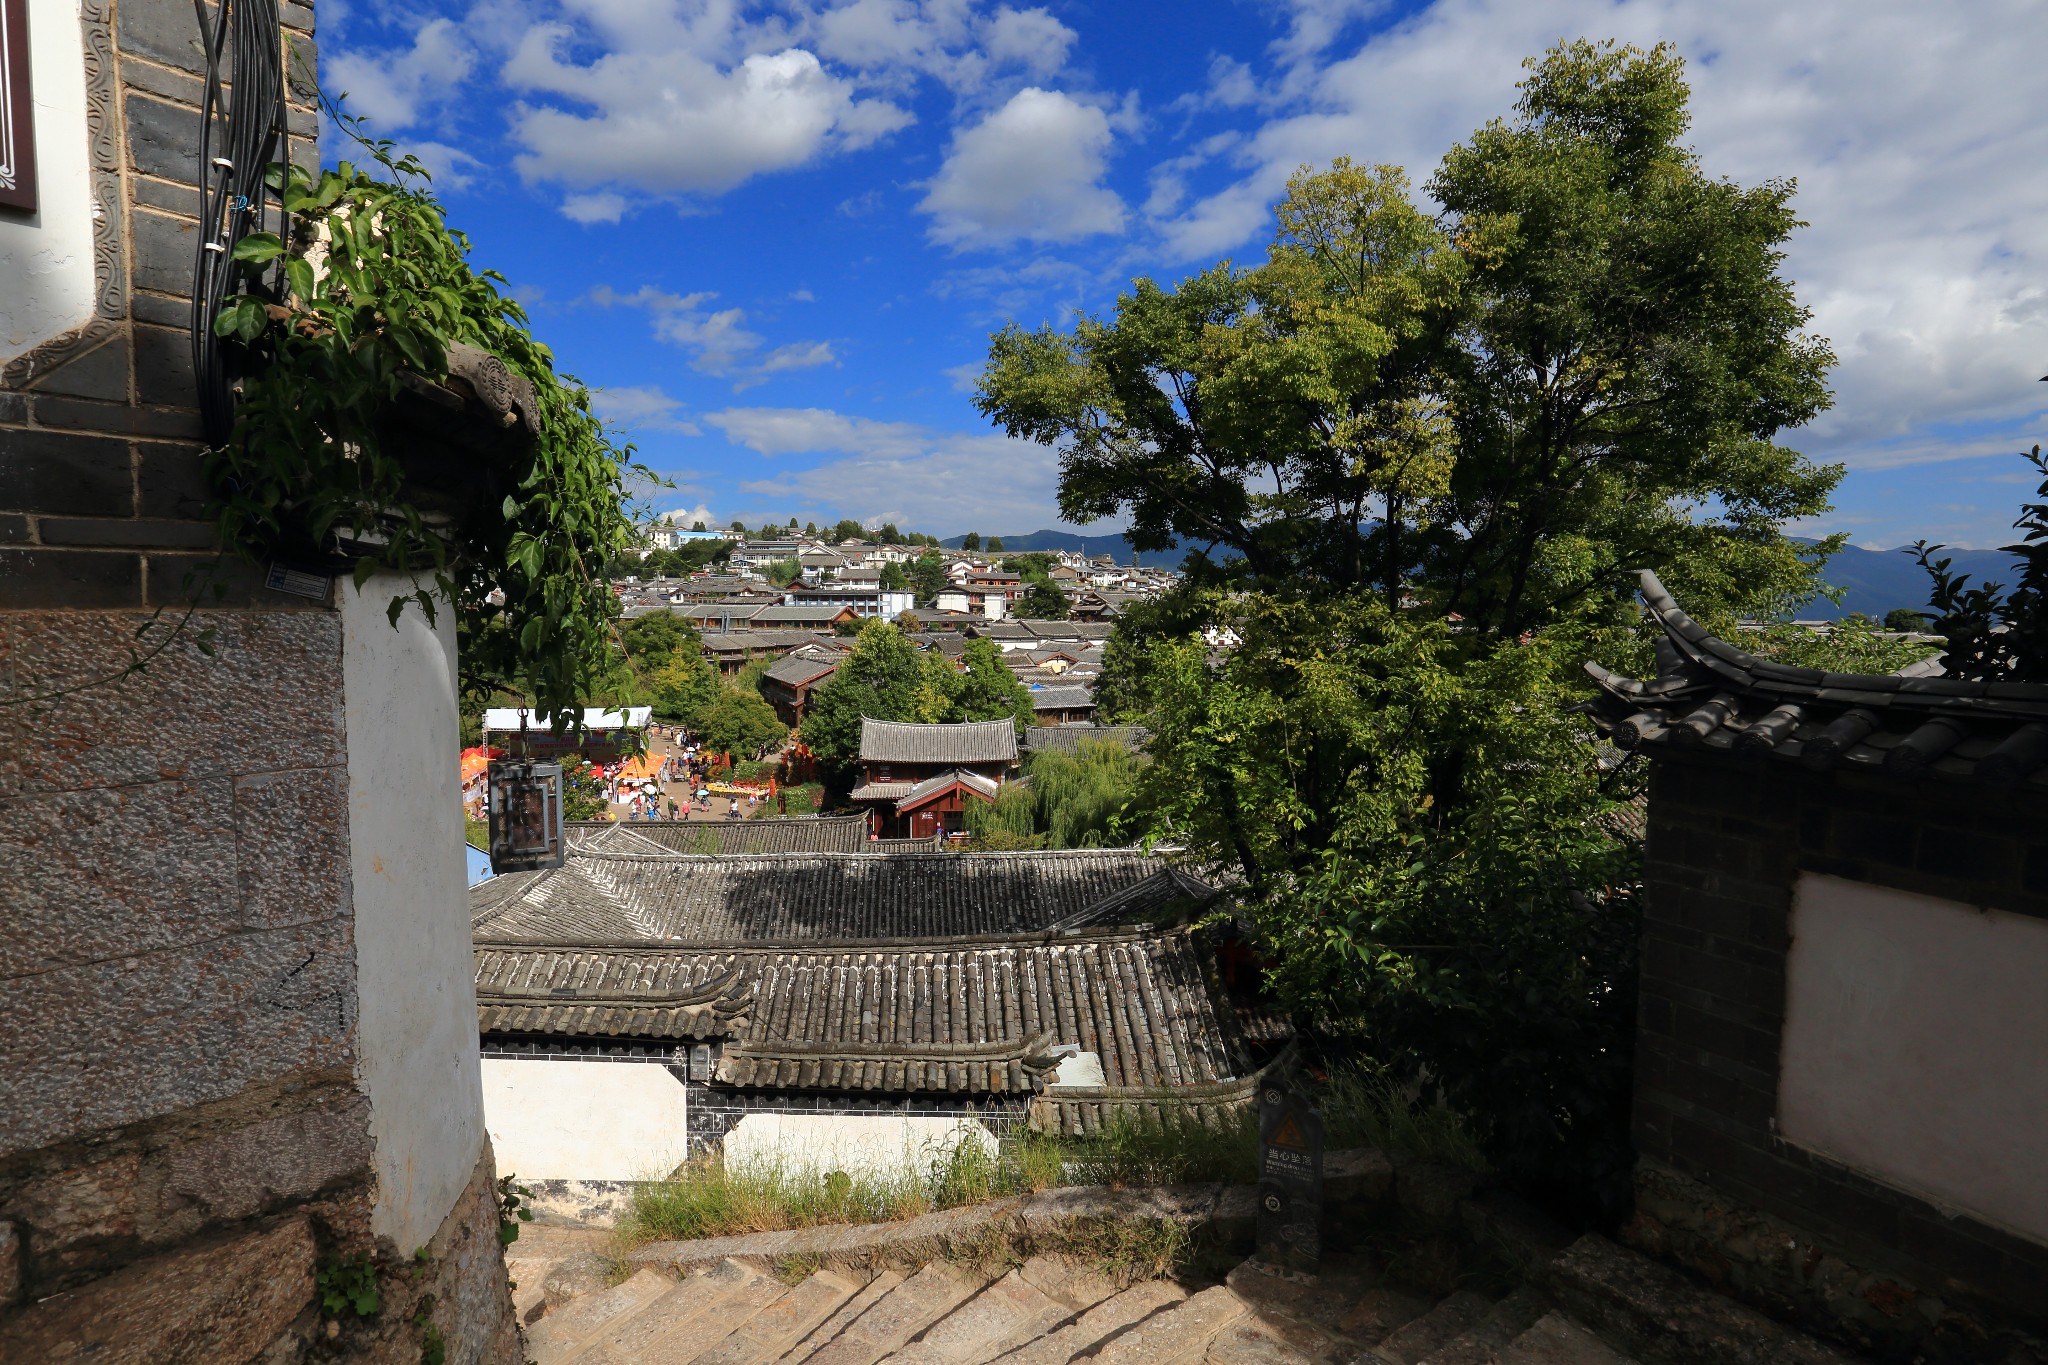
(46, 284)
(1916, 1046)
(554, 1120)
(415, 976)
(882, 1145)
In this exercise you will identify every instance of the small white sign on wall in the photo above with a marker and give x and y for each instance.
(17, 111)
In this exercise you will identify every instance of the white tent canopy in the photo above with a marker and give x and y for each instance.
(512, 719)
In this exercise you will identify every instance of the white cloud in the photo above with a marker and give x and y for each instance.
(599, 206)
(1909, 128)
(666, 120)
(395, 88)
(1030, 171)
(642, 408)
(719, 342)
(900, 471)
(976, 55)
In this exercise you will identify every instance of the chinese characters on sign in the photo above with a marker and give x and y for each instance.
(527, 832)
(17, 115)
(1290, 1183)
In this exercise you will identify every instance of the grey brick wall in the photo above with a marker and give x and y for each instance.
(1727, 841)
(99, 451)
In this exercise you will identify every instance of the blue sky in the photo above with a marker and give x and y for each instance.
(777, 236)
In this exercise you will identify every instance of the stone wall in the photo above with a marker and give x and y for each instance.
(195, 1123)
(1853, 1255)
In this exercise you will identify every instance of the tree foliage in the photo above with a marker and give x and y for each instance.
(985, 688)
(1429, 455)
(884, 678)
(1992, 634)
(375, 286)
(1083, 799)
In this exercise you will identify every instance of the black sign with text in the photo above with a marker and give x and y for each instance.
(1290, 1182)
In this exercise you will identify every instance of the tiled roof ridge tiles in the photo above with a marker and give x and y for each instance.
(841, 947)
(1710, 696)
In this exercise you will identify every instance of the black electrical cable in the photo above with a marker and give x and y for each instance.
(239, 137)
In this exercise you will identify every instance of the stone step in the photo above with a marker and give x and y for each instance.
(1453, 1317)
(1077, 1284)
(1323, 1302)
(685, 1322)
(844, 1314)
(1651, 1309)
(1250, 1342)
(1557, 1340)
(565, 1330)
(1180, 1333)
(1502, 1323)
(1379, 1311)
(527, 1274)
(1096, 1326)
(1005, 1314)
(783, 1323)
(896, 1317)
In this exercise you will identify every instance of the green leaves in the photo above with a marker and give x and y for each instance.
(380, 285)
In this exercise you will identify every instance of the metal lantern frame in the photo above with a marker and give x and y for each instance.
(528, 830)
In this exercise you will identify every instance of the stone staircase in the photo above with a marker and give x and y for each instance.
(1046, 1312)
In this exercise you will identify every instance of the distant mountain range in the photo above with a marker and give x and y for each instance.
(1069, 540)
(1876, 580)
(1880, 580)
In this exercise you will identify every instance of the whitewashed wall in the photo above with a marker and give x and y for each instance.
(46, 266)
(883, 1145)
(584, 1121)
(415, 973)
(1916, 1046)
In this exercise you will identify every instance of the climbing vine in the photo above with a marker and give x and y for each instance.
(337, 320)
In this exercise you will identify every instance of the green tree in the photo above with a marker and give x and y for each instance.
(1430, 452)
(811, 529)
(894, 579)
(971, 541)
(928, 577)
(698, 526)
(738, 721)
(848, 529)
(987, 689)
(1044, 600)
(995, 543)
(651, 638)
(681, 688)
(782, 572)
(1508, 410)
(880, 679)
(1083, 799)
(1906, 619)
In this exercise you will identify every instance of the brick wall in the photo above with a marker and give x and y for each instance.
(102, 502)
(1727, 841)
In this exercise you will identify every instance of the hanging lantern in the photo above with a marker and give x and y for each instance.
(527, 833)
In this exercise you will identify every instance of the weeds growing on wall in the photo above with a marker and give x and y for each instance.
(372, 286)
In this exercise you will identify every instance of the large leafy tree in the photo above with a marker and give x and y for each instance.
(886, 677)
(1429, 453)
(1506, 408)
(986, 688)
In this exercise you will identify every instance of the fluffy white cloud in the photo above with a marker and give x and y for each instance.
(671, 122)
(1030, 171)
(394, 88)
(719, 341)
(972, 53)
(900, 471)
(642, 408)
(1916, 150)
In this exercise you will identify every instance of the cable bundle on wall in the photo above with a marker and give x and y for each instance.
(239, 138)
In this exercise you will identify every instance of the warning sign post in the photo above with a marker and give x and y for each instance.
(1290, 1183)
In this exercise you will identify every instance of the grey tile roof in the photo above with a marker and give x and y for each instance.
(809, 613)
(987, 741)
(798, 671)
(741, 641)
(795, 834)
(924, 791)
(1070, 737)
(1712, 696)
(962, 1017)
(1067, 697)
(606, 897)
